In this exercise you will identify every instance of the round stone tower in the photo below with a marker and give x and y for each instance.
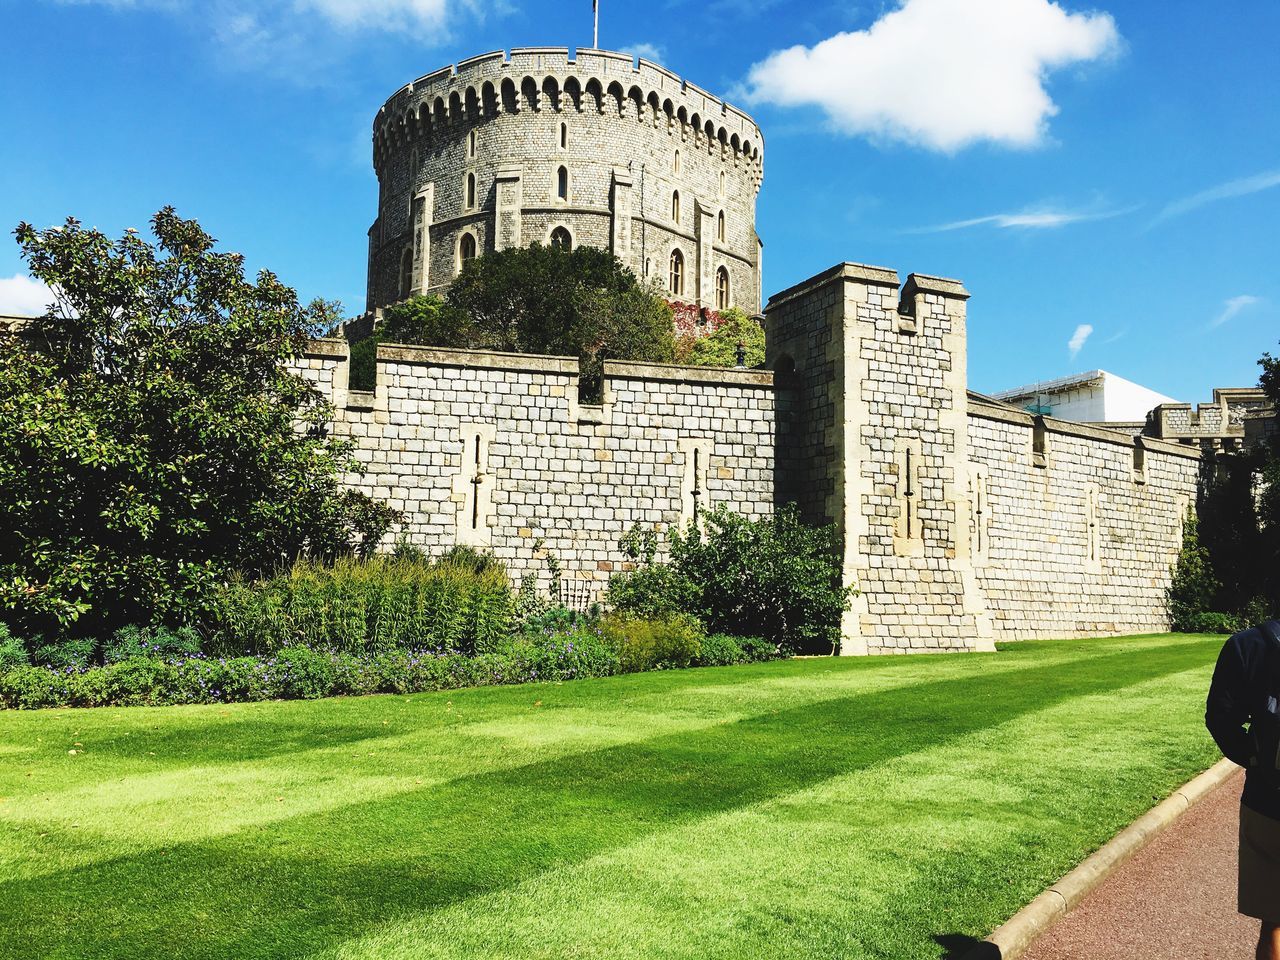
(501, 152)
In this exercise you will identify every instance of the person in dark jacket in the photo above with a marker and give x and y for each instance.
(1243, 716)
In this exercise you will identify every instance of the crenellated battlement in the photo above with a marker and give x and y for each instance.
(541, 78)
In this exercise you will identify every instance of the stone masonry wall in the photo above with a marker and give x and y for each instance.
(493, 450)
(629, 134)
(961, 521)
(1076, 539)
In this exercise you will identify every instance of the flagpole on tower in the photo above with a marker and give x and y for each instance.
(595, 37)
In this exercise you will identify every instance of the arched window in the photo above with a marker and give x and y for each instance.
(720, 227)
(722, 289)
(561, 240)
(722, 183)
(677, 273)
(471, 191)
(466, 249)
(675, 206)
(564, 136)
(406, 273)
(675, 163)
(562, 183)
(471, 145)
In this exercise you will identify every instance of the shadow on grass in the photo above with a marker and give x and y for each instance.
(306, 883)
(961, 947)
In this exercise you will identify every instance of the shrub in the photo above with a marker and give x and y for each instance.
(134, 642)
(720, 348)
(13, 652)
(71, 653)
(653, 644)
(360, 606)
(1204, 622)
(775, 578)
(472, 560)
(297, 673)
(29, 688)
(722, 650)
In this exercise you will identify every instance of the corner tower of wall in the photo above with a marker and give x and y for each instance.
(875, 442)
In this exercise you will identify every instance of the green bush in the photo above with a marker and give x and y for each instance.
(13, 652)
(653, 644)
(363, 606)
(723, 650)
(71, 653)
(135, 642)
(775, 578)
(299, 673)
(29, 688)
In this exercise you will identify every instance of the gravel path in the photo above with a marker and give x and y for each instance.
(1175, 900)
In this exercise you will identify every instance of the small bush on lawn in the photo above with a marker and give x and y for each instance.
(462, 604)
(723, 650)
(653, 644)
(775, 578)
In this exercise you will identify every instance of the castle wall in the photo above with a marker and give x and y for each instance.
(1078, 539)
(500, 120)
(493, 450)
(961, 521)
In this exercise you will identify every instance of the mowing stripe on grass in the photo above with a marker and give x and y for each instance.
(316, 879)
(882, 862)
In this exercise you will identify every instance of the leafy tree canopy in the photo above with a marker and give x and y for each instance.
(152, 439)
(538, 299)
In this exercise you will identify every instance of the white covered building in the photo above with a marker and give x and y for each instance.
(1093, 397)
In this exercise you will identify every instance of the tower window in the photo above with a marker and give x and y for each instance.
(564, 136)
(720, 227)
(471, 191)
(722, 183)
(677, 273)
(675, 206)
(722, 289)
(471, 145)
(466, 249)
(562, 183)
(561, 240)
(675, 163)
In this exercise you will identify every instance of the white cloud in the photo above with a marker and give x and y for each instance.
(646, 50)
(21, 296)
(1224, 191)
(1232, 306)
(941, 74)
(1077, 341)
(1031, 219)
(258, 23)
(380, 14)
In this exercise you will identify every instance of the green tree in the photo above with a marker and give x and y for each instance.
(152, 438)
(775, 578)
(720, 348)
(423, 320)
(1194, 589)
(582, 303)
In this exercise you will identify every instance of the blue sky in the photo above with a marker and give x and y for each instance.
(1106, 180)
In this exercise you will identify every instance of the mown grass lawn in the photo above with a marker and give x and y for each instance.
(814, 808)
